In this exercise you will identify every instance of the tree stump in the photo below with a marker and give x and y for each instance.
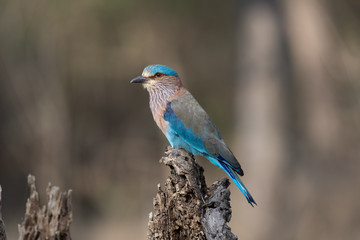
(186, 208)
(2, 225)
(51, 222)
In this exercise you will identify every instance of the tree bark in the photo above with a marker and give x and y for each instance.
(47, 222)
(186, 208)
(2, 225)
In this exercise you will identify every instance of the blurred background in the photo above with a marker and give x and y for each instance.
(280, 78)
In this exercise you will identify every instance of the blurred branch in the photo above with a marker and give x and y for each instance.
(2, 225)
(179, 210)
(47, 222)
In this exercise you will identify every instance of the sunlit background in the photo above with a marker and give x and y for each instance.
(281, 79)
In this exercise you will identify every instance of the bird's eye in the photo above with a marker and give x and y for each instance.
(158, 74)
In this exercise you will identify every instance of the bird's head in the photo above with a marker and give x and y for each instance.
(158, 77)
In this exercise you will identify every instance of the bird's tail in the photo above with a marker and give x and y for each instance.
(235, 177)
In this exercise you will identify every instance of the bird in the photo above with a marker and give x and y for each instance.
(185, 123)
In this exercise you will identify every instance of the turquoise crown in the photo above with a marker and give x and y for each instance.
(151, 70)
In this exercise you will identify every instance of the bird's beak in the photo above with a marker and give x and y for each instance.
(139, 79)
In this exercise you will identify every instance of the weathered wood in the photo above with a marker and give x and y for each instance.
(186, 208)
(48, 222)
(2, 225)
(218, 212)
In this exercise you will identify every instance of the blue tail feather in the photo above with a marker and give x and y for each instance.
(233, 175)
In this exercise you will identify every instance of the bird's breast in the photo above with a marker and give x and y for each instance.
(157, 110)
(158, 104)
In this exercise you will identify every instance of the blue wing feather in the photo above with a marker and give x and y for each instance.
(177, 131)
(232, 174)
(191, 123)
(190, 128)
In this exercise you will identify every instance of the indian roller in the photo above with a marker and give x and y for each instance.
(185, 123)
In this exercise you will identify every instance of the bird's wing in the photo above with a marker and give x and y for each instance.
(191, 123)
